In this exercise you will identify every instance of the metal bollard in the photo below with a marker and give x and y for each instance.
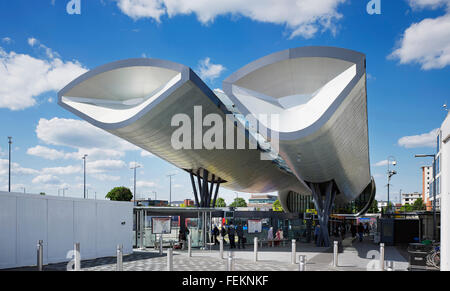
(255, 249)
(40, 255)
(302, 263)
(382, 256)
(77, 257)
(189, 246)
(294, 251)
(119, 266)
(160, 244)
(230, 261)
(169, 259)
(221, 247)
(335, 253)
(389, 266)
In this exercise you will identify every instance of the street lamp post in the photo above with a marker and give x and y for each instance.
(170, 188)
(154, 192)
(134, 189)
(434, 190)
(9, 171)
(389, 175)
(84, 187)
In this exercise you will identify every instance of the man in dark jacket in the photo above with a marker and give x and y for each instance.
(231, 233)
(223, 233)
(240, 235)
(360, 231)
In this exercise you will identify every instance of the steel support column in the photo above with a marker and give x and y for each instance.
(323, 206)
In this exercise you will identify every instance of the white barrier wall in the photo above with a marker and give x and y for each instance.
(98, 225)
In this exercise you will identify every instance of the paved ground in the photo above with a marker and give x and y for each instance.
(354, 256)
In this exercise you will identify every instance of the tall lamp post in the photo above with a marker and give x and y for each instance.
(390, 173)
(84, 187)
(434, 190)
(154, 192)
(170, 188)
(9, 171)
(134, 189)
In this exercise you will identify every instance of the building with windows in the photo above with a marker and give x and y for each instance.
(427, 177)
(261, 201)
(410, 198)
(150, 202)
(443, 188)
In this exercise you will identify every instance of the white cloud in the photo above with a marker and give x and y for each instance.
(383, 163)
(427, 42)
(105, 177)
(81, 135)
(68, 170)
(7, 40)
(46, 180)
(145, 184)
(433, 4)
(16, 169)
(32, 41)
(301, 17)
(102, 166)
(147, 154)
(208, 70)
(46, 153)
(421, 140)
(93, 153)
(23, 77)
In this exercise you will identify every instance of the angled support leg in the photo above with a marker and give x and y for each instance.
(323, 206)
(194, 187)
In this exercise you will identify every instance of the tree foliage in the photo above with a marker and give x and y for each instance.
(419, 205)
(374, 207)
(277, 206)
(120, 194)
(220, 202)
(239, 202)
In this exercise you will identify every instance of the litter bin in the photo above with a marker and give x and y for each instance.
(418, 256)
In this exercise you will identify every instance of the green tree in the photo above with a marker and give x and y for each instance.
(120, 194)
(220, 202)
(374, 207)
(406, 208)
(42, 193)
(277, 206)
(239, 202)
(418, 205)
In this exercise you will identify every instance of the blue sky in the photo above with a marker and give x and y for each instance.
(42, 48)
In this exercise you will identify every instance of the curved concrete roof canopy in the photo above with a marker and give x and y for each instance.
(318, 92)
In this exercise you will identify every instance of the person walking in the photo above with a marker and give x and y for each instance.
(317, 235)
(231, 233)
(223, 233)
(182, 239)
(353, 230)
(240, 235)
(214, 234)
(360, 231)
(270, 236)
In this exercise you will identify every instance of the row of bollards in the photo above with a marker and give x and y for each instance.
(76, 257)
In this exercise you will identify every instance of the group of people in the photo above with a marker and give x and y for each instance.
(341, 230)
(279, 236)
(232, 231)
